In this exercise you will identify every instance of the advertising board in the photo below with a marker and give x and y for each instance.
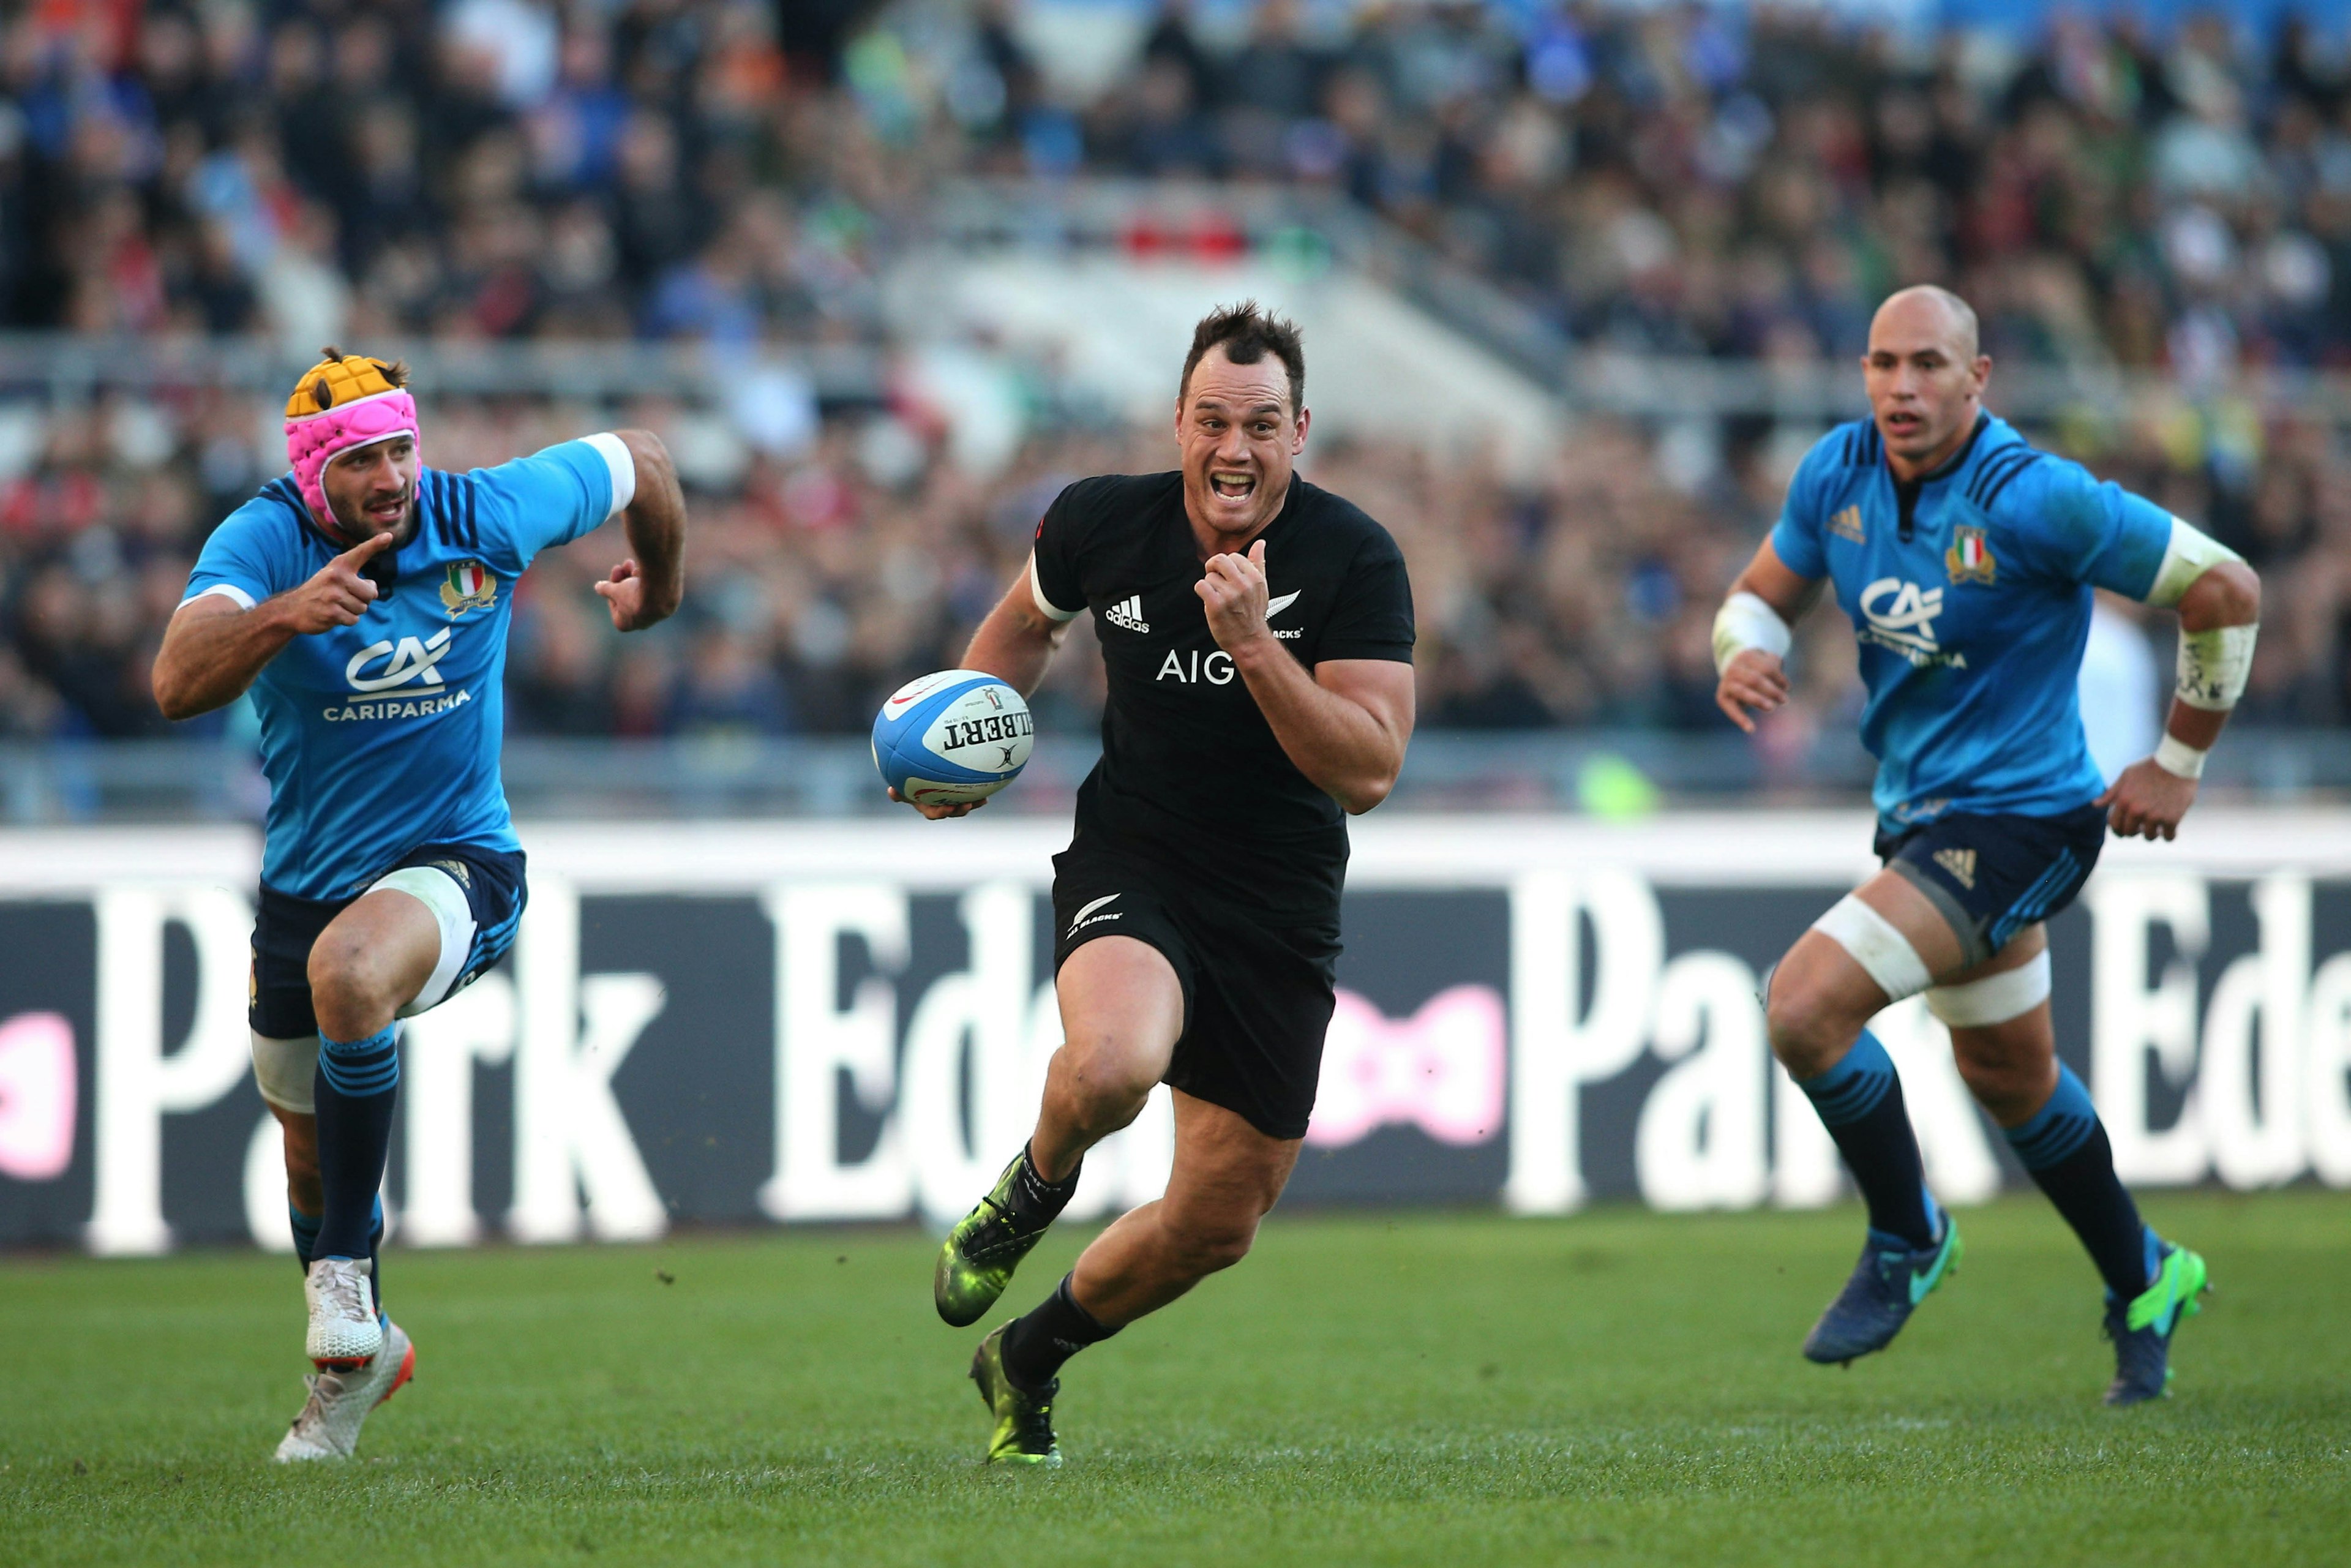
(785, 1022)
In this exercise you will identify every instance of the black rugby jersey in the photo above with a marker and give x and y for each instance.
(1190, 769)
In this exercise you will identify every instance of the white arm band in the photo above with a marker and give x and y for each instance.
(2188, 556)
(1746, 621)
(2179, 758)
(2213, 666)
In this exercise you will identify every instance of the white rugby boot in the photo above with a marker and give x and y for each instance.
(329, 1426)
(344, 1330)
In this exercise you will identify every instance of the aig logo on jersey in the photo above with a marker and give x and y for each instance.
(1899, 616)
(469, 586)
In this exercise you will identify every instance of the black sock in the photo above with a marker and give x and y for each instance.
(1056, 1329)
(375, 1253)
(1035, 1199)
(2064, 1149)
(357, 1086)
(1860, 1102)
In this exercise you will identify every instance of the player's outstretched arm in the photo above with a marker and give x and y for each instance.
(215, 647)
(2220, 615)
(1014, 643)
(1751, 634)
(647, 587)
(1345, 726)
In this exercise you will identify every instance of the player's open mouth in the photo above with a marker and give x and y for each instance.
(1233, 487)
(1903, 424)
(388, 512)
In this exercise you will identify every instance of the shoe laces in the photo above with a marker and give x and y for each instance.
(1032, 1423)
(343, 1292)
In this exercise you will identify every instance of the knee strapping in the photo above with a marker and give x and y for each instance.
(1995, 998)
(1877, 945)
(284, 1070)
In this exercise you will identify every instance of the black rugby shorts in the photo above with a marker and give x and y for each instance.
(1257, 995)
(1991, 876)
(284, 928)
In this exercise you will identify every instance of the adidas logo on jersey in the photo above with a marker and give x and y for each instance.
(1128, 613)
(1846, 525)
(1961, 863)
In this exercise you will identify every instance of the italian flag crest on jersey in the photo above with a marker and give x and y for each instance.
(1969, 559)
(470, 586)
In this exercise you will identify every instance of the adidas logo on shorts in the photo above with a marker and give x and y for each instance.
(1961, 863)
(1128, 613)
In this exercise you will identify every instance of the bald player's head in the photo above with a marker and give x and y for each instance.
(1925, 375)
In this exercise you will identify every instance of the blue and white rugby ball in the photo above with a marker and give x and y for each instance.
(951, 739)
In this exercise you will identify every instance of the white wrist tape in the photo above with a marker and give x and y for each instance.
(1746, 621)
(2213, 666)
(2189, 554)
(1995, 998)
(1877, 945)
(2177, 758)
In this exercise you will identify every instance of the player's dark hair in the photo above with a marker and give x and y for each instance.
(1248, 334)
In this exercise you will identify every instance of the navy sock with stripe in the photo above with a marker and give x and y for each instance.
(305, 1234)
(2063, 1148)
(1860, 1102)
(358, 1085)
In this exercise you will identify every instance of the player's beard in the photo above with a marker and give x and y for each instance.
(361, 532)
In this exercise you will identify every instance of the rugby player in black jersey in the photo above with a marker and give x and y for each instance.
(1257, 634)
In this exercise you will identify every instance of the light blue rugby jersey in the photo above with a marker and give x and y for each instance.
(1970, 629)
(384, 735)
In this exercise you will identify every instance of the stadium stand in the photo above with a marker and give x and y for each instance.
(1667, 182)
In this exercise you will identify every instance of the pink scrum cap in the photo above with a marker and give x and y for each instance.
(345, 401)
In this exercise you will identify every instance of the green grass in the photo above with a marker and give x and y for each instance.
(1612, 1388)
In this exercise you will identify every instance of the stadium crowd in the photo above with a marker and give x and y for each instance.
(1675, 181)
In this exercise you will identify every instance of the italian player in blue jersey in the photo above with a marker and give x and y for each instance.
(1965, 559)
(364, 600)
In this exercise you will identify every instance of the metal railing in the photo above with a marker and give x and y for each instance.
(1598, 772)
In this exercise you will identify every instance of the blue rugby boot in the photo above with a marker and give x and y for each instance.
(1886, 1286)
(2142, 1329)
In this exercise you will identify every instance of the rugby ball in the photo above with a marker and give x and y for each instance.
(952, 737)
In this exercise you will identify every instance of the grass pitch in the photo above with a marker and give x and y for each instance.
(1615, 1389)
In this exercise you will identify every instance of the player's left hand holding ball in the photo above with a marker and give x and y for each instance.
(1233, 587)
(2146, 800)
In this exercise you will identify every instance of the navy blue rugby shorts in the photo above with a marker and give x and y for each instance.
(1991, 876)
(285, 927)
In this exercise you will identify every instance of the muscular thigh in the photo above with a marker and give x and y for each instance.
(1121, 1008)
(1224, 1167)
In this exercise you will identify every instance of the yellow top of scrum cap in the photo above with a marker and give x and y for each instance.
(336, 380)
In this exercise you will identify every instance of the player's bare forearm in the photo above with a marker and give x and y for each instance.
(1756, 679)
(213, 647)
(655, 523)
(2147, 799)
(1015, 642)
(1345, 726)
(212, 651)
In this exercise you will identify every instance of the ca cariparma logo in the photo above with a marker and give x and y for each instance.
(469, 586)
(1900, 617)
(1969, 559)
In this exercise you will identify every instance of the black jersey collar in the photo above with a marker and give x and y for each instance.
(1906, 491)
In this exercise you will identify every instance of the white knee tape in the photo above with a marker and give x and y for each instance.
(284, 1071)
(1995, 998)
(1876, 946)
(439, 892)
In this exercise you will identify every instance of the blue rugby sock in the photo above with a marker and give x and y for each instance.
(2063, 1147)
(358, 1083)
(1860, 1102)
(305, 1234)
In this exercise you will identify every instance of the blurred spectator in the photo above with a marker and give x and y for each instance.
(1705, 180)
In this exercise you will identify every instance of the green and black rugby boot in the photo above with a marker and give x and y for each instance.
(2142, 1328)
(986, 1246)
(1024, 1421)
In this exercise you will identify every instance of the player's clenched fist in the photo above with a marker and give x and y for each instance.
(1755, 679)
(1235, 593)
(2147, 800)
(337, 594)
